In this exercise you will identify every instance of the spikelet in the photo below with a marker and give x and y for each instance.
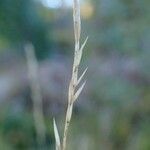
(77, 20)
(57, 138)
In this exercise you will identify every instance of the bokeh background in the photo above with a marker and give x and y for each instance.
(113, 111)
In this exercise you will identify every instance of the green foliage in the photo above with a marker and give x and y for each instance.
(121, 26)
(17, 131)
(20, 23)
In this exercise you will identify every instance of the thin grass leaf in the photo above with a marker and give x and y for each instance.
(83, 45)
(33, 73)
(57, 138)
(79, 56)
(81, 77)
(79, 91)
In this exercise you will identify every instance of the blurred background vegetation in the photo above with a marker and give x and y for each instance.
(114, 108)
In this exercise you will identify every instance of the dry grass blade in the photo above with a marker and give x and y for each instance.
(83, 45)
(57, 138)
(80, 52)
(79, 91)
(81, 77)
(36, 94)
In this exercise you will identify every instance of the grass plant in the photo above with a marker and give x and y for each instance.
(33, 71)
(74, 87)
